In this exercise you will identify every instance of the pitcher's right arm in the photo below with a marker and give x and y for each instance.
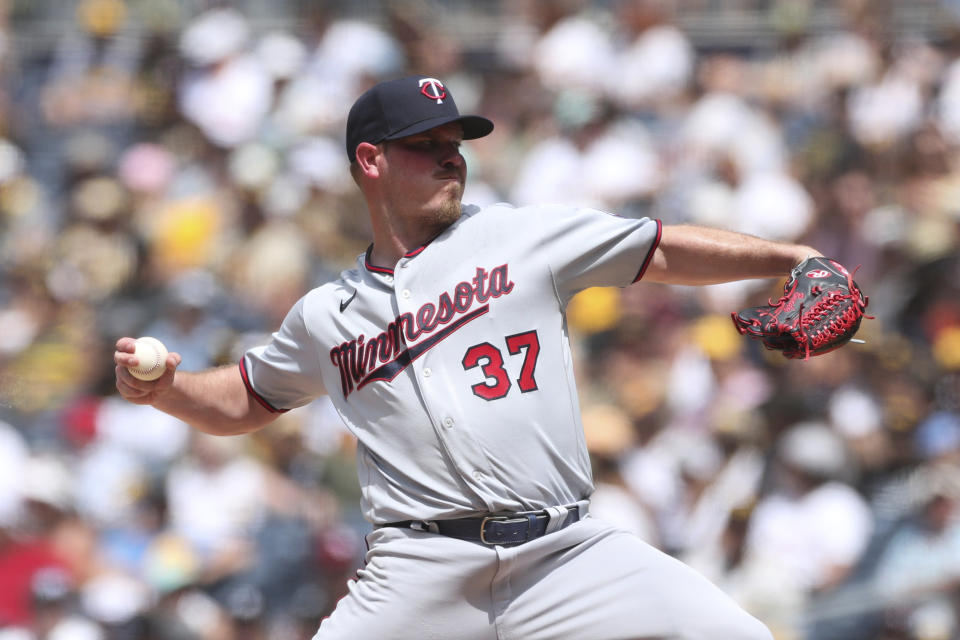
(214, 401)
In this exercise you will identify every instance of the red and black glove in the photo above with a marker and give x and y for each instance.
(820, 310)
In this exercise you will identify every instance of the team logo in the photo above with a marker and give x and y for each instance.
(818, 273)
(382, 356)
(433, 89)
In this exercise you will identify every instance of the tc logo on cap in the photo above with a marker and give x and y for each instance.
(433, 89)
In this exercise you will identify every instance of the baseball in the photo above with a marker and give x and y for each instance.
(152, 356)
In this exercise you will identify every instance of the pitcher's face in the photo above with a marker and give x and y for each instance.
(426, 173)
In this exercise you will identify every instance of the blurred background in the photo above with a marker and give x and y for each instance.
(175, 168)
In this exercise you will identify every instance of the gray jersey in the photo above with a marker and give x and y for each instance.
(453, 369)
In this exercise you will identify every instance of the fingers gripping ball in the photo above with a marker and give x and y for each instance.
(820, 310)
(152, 356)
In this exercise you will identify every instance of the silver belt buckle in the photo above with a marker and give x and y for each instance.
(483, 525)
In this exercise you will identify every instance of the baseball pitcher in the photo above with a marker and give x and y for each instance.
(445, 351)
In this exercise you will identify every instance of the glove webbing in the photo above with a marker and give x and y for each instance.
(836, 325)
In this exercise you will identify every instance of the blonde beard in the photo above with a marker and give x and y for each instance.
(436, 218)
(449, 212)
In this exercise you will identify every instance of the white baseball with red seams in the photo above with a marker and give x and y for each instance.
(152, 357)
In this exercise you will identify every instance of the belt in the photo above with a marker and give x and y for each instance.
(505, 530)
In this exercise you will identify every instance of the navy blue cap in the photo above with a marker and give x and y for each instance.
(404, 107)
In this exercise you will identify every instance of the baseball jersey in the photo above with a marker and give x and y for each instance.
(453, 369)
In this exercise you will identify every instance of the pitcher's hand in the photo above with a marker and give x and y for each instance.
(133, 389)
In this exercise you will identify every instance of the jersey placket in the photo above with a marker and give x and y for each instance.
(411, 292)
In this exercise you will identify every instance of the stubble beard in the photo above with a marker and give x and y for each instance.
(449, 212)
(450, 209)
(432, 219)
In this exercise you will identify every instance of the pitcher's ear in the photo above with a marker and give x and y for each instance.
(367, 159)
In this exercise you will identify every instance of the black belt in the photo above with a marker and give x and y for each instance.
(510, 529)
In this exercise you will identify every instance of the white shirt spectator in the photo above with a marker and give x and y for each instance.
(657, 66)
(808, 537)
(917, 559)
(108, 481)
(735, 485)
(809, 534)
(773, 205)
(351, 49)
(157, 438)
(575, 53)
(13, 463)
(214, 36)
(614, 168)
(216, 496)
(616, 505)
(948, 102)
(724, 124)
(845, 59)
(883, 113)
(550, 173)
(228, 102)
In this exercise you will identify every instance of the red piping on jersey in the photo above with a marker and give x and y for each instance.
(256, 396)
(387, 270)
(410, 254)
(372, 267)
(653, 249)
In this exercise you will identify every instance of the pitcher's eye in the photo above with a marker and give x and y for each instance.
(432, 145)
(419, 145)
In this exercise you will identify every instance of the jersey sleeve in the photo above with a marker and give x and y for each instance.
(592, 248)
(285, 373)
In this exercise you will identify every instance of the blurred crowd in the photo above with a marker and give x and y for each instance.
(176, 169)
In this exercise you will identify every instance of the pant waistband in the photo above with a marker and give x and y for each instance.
(502, 529)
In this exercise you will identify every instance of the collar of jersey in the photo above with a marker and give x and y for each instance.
(386, 270)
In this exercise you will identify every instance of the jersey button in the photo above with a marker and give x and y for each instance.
(448, 422)
(427, 371)
(388, 278)
(406, 293)
(477, 474)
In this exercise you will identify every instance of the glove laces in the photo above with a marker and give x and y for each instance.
(830, 318)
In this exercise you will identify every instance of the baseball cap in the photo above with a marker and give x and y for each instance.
(406, 106)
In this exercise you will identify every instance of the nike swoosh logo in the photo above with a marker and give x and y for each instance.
(346, 303)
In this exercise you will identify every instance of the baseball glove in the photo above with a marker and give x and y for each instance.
(820, 310)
